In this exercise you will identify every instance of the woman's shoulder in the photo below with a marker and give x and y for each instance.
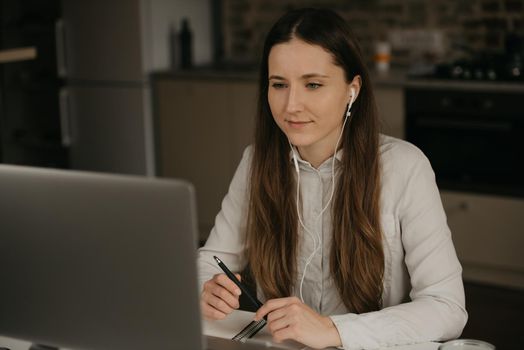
(400, 161)
(399, 153)
(244, 166)
(247, 156)
(241, 176)
(248, 151)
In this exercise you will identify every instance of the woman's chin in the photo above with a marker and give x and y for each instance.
(298, 140)
(299, 143)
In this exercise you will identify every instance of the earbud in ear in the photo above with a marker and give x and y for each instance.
(348, 111)
(353, 93)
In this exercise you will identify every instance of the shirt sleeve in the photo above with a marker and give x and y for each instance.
(437, 308)
(227, 238)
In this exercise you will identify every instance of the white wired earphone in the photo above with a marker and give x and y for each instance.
(316, 238)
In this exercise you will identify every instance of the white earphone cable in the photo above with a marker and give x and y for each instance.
(317, 243)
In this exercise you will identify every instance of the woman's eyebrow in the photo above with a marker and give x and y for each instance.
(305, 76)
(314, 75)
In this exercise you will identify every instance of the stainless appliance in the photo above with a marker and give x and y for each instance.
(104, 58)
(472, 135)
(84, 102)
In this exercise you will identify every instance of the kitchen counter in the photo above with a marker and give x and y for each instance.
(399, 78)
(209, 73)
(464, 85)
(394, 78)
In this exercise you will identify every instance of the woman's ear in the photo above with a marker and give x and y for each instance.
(353, 95)
(354, 88)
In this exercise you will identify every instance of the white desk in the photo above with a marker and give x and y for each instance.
(239, 319)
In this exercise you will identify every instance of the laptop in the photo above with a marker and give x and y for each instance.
(92, 261)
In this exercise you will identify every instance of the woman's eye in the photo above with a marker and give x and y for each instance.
(313, 86)
(278, 85)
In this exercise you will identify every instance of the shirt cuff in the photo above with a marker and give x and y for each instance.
(353, 333)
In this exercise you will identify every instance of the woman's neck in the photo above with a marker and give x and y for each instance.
(321, 150)
(316, 155)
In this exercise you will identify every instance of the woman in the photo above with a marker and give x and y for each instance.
(343, 228)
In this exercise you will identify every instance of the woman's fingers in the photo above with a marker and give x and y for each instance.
(225, 289)
(228, 284)
(219, 297)
(289, 318)
(274, 304)
(276, 320)
(218, 303)
(210, 313)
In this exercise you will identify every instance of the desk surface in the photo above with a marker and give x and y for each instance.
(225, 330)
(230, 326)
(14, 344)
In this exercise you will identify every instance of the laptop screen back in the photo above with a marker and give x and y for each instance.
(91, 261)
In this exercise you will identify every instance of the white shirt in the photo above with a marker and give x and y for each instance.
(423, 298)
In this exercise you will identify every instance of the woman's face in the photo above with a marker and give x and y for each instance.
(308, 96)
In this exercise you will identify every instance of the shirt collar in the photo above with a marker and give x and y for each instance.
(338, 156)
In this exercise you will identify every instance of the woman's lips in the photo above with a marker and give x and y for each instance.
(297, 124)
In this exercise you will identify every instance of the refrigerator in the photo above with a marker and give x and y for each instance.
(103, 57)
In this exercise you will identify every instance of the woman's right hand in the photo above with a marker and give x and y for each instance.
(219, 297)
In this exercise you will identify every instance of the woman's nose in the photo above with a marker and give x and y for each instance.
(294, 101)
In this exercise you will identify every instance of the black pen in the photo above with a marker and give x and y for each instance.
(235, 280)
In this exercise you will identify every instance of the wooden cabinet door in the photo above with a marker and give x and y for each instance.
(202, 127)
(488, 233)
(390, 105)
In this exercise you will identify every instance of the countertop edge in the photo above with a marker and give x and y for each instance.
(392, 79)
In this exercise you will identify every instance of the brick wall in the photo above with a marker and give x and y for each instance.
(475, 24)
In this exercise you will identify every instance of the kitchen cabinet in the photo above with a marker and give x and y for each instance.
(29, 86)
(488, 236)
(202, 128)
(390, 105)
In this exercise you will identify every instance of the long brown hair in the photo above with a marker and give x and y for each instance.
(357, 257)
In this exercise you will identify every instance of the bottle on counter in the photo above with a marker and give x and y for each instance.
(382, 56)
(185, 38)
(173, 48)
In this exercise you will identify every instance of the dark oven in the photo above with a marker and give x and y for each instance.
(474, 137)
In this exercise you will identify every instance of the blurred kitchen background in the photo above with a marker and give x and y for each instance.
(168, 88)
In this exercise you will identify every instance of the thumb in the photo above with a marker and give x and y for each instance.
(238, 276)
